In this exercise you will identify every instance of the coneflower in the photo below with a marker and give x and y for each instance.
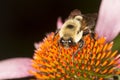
(94, 61)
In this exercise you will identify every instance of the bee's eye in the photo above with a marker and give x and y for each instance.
(62, 41)
(69, 41)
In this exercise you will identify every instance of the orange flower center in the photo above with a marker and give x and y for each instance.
(94, 61)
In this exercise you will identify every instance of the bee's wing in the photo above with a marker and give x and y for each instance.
(74, 13)
(90, 19)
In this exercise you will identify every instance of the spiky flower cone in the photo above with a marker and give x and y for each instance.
(95, 61)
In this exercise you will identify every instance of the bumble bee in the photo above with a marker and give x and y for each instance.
(75, 27)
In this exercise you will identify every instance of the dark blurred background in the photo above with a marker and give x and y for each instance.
(24, 22)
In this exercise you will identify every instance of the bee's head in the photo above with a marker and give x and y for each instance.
(66, 42)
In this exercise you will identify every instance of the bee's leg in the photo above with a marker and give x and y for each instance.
(56, 33)
(86, 32)
(92, 34)
(81, 43)
(89, 31)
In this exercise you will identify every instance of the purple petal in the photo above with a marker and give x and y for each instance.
(108, 24)
(59, 23)
(15, 68)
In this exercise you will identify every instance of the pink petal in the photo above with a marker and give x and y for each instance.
(59, 23)
(15, 68)
(108, 24)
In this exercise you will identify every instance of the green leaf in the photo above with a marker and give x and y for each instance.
(116, 45)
